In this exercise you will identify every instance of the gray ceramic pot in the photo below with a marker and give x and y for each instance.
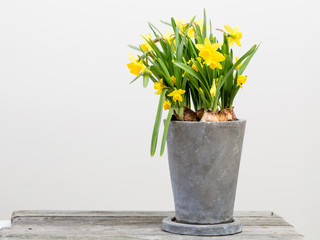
(204, 161)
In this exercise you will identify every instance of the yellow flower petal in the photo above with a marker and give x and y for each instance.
(234, 35)
(194, 67)
(159, 85)
(231, 41)
(176, 95)
(135, 66)
(237, 58)
(168, 36)
(219, 66)
(207, 41)
(241, 80)
(134, 69)
(173, 79)
(132, 58)
(166, 105)
(210, 54)
(213, 89)
(237, 42)
(146, 46)
(180, 91)
(228, 29)
(200, 46)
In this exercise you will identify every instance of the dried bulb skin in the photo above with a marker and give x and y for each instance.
(209, 116)
(200, 113)
(176, 116)
(190, 115)
(225, 115)
(234, 117)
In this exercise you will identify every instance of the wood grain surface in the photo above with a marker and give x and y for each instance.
(124, 225)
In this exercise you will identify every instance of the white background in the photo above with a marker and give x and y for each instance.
(75, 135)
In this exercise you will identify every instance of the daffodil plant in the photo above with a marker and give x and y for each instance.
(196, 76)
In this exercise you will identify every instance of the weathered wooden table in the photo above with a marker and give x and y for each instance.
(102, 225)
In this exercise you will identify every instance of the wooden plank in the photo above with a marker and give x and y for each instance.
(132, 220)
(155, 237)
(93, 225)
(37, 213)
(138, 229)
(150, 234)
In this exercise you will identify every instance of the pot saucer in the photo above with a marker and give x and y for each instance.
(170, 225)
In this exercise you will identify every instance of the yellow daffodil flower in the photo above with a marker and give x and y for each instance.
(237, 58)
(234, 35)
(201, 90)
(146, 46)
(200, 23)
(166, 105)
(183, 74)
(213, 89)
(241, 80)
(181, 24)
(200, 61)
(191, 32)
(136, 66)
(176, 95)
(210, 54)
(159, 85)
(168, 36)
(173, 79)
(193, 66)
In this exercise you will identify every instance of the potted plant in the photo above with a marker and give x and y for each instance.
(197, 77)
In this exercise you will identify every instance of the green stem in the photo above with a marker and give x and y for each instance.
(179, 110)
(165, 131)
(157, 123)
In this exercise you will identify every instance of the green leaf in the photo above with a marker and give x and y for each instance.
(166, 72)
(165, 131)
(225, 46)
(199, 38)
(156, 71)
(145, 79)
(201, 71)
(226, 89)
(233, 95)
(156, 49)
(134, 47)
(153, 79)
(156, 127)
(235, 65)
(135, 79)
(154, 29)
(221, 82)
(192, 49)
(187, 69)
(166, 23)
(204, 27)
(176, 33)
(194, 98)
(246, 62)
(180, 47)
